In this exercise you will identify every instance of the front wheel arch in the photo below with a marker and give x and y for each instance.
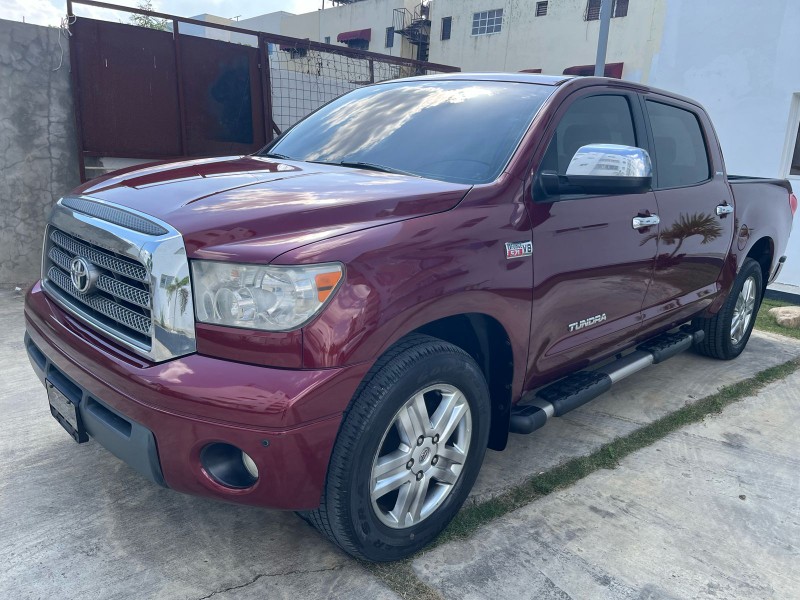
(487, 342)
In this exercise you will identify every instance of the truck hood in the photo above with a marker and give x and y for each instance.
(254, 209)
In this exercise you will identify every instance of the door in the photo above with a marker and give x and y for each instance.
(695, 206)
(592, 268)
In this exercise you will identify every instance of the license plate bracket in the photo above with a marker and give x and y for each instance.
(66, 413)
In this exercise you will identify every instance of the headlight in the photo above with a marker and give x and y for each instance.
(256, 297)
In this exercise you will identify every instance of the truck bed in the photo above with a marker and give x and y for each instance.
(744, 179)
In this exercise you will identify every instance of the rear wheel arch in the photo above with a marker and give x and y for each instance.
(763, 252)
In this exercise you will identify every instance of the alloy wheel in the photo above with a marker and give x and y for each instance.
(743, 310)
(421, 456)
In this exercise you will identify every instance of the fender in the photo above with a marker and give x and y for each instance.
(402, 276)
(762, 212)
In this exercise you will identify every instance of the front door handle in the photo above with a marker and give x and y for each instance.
(648, 221)
(724, 209)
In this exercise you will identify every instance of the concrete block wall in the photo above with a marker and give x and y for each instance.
(38, 148)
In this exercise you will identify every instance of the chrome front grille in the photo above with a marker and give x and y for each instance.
(114, 286)
(118, 313)
(133, 274)
(101, 258)
(121, 296)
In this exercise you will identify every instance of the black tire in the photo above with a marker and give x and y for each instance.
(346, 514)
(718, 341)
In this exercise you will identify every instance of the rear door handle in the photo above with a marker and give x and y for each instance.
(724, 209)
(642, 222)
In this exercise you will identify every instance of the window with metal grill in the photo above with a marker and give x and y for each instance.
(619, 8)
(488, 21)
(447, 27)
(390, 37)
(541, 9)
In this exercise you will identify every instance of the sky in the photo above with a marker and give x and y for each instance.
(50, 12)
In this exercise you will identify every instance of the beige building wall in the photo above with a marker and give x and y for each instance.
(318, 25)
(552, 43)
(376, 15)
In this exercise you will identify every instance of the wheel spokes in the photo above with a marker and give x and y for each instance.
(389, 475)
(420, 463)
(743, 310)
(413, 421)
(453, 455)
(443, 474)
(448, 415)
(419, 492)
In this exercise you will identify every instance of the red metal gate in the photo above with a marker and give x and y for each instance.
(142, 93)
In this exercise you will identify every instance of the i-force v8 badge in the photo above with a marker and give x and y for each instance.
(518, 249)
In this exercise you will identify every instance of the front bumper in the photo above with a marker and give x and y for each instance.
(158, 418)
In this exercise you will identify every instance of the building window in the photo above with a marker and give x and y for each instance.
(390, 37)
(357, 44)
(541, 9)
(327, 39)
(488, 21)
(447, 27)
(592, 10)
(619, 8)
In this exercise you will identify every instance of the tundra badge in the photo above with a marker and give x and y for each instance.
(586, 322)
(518, 249)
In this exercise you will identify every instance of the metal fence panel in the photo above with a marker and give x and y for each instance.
(146, 94)
(126, 92)
(222, 97)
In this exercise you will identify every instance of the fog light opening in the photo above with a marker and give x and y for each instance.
(229, 466)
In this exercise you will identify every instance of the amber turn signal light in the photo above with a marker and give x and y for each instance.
(326, 283)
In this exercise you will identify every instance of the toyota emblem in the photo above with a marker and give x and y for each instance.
(83, 274)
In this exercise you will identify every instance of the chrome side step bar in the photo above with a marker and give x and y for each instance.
(577, 389)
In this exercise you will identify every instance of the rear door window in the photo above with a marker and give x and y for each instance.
(681, 157)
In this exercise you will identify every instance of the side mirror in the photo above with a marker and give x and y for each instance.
(602, 169)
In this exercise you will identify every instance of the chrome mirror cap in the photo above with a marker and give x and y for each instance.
(610, 160)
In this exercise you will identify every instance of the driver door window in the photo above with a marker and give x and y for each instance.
(591, 120)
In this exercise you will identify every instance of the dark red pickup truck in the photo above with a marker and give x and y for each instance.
(343, 323)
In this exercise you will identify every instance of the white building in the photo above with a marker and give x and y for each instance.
(738, 58)
(366, 24)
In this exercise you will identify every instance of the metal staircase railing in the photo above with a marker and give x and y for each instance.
(415, 27)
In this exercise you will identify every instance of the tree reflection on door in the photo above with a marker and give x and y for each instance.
(704, 225)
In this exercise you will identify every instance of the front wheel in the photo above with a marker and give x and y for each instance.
(408, 451)
(727, 332)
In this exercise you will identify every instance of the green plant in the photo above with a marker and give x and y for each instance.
(147, 20)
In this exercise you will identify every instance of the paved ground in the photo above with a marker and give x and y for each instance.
(75, 522)
(711, 511)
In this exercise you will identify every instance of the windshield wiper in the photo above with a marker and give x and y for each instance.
(373, 167)
(273, 155)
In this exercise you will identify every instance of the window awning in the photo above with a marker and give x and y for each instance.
(611, 70)
(359, 34)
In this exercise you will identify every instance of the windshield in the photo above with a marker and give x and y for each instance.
(456, 131)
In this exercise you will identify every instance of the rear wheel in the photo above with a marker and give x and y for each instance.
(727, 332)
(408, 451)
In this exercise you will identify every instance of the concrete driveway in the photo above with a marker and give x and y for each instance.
(75, 522)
